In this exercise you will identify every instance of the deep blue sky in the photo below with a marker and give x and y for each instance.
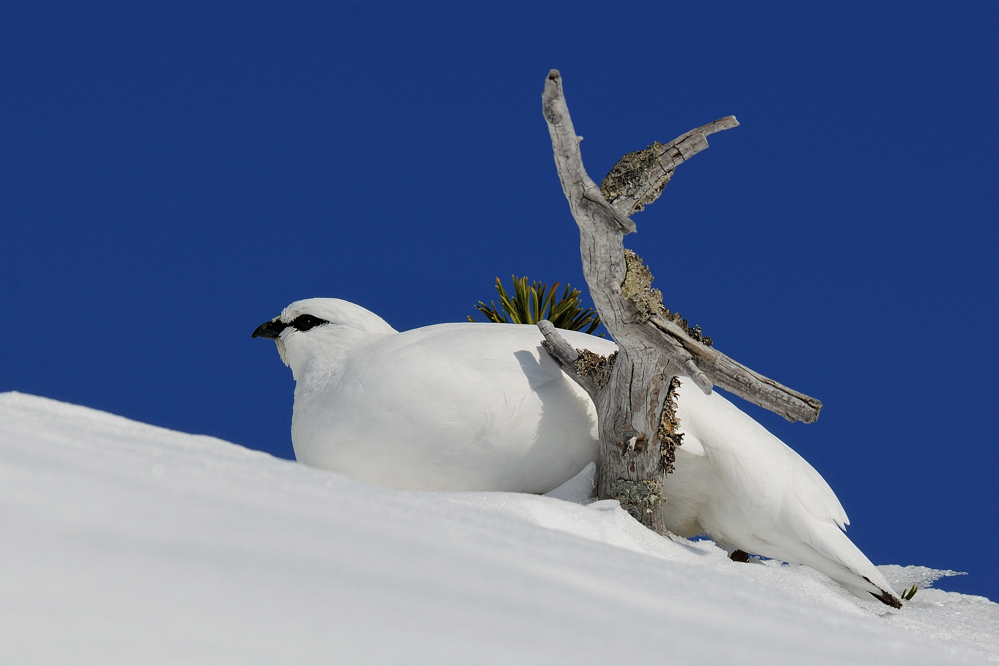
(172, 175)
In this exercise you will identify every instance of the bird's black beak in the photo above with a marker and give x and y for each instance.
(269, 329)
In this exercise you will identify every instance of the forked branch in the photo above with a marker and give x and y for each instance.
(654, 344)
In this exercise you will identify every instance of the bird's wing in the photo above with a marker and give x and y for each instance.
(439, 379)
(752, 459)
(464, 392)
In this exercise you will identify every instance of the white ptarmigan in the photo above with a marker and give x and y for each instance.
(471, 406)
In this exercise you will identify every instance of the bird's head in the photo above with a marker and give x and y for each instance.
(317, 333)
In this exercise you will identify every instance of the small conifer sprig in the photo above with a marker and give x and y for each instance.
(533, 302)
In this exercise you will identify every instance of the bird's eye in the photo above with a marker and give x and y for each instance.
(305, 322)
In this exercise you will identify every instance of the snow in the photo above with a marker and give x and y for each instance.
(126, 543)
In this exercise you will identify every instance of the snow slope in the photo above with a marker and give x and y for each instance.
(123, 543)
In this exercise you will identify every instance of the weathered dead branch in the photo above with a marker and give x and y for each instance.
(632, 390)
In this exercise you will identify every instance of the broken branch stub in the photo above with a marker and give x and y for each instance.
(634, 390)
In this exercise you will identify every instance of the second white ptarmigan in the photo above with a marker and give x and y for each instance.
(470, 406)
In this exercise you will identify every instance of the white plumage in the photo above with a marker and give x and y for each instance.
(446, 407)
(482, 407)
(747, 490)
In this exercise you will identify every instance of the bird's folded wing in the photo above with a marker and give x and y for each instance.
(753, 460)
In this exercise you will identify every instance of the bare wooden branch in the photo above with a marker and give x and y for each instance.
(656, 165)
(740, 380)
(687, 145)
(765, 392)
(566, 356)
(654, 345)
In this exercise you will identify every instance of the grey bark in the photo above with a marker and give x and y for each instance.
(632, 392)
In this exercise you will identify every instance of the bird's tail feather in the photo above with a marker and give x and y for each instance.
(886, 597)
(839, 558)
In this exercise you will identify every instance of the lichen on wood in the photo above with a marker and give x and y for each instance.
(637, 288)
(632, 173)
(595, 366)
(694, 331)
(638, 497)
(669, 433)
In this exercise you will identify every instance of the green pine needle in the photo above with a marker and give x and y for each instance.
(533, 302)
(909, 593)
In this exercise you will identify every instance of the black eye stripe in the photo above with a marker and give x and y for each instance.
(306, 322)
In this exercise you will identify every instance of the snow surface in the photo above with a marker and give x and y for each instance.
(126, 543)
